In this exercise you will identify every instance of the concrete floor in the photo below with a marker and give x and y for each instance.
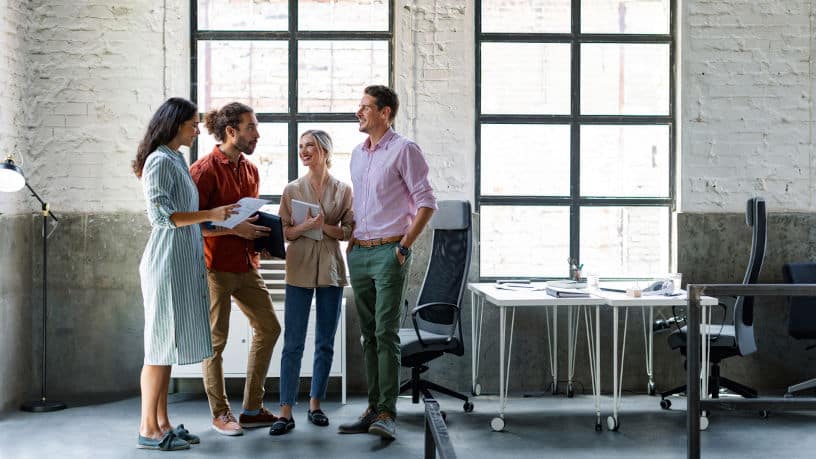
(535, 427)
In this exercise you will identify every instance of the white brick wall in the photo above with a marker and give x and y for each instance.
(95, 77)
(12, 89)
(747, 104)
(95, 74)
(434, 78)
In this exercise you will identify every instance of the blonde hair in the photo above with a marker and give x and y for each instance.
(324, 141)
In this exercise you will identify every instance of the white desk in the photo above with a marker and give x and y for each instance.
(504, 299)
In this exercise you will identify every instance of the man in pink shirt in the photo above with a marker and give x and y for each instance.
(393, 201)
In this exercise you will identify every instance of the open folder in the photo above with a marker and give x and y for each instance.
(274, 242)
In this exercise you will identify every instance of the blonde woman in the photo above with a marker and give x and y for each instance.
(314, 268)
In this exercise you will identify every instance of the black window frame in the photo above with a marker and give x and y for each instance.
(575, 38)
(292, 35)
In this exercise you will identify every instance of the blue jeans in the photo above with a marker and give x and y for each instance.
(298, 306)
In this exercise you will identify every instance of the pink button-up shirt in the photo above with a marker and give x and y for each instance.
(390, 184)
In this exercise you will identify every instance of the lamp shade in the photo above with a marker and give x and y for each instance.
(11, 176)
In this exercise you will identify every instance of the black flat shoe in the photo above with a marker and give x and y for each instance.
(282, 426)
(318, 418)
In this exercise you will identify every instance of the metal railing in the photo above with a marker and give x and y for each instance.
(695, 404)
(436, 433)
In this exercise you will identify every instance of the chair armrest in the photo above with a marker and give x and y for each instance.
(420, 307)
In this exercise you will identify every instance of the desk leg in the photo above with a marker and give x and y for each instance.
(552, 344)
(705, 354)
(594, 351)
(612, 422)
(573, 316)
(477, 311)
(554, 352)
(648, 340)
(497, 423)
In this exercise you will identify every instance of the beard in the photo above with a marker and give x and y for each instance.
(245, 146)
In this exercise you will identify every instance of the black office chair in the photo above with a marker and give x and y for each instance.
(437, 321)
(802, 314)
(737, 339)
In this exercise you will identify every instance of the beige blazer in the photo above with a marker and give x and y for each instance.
(311, 263)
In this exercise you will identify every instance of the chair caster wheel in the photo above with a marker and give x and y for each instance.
(570, 392)
(665, 404)
(468, 407)
(612, 424)
(764, 414)
(598, 427)
(477, 390)
(650, 389)
(497, 424)
(703, 422)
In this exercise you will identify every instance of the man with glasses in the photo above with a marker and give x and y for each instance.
(393, 202)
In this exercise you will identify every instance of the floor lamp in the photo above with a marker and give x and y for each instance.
(11, 180)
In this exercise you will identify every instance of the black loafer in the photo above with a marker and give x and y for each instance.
(282, 426)
(317, 417)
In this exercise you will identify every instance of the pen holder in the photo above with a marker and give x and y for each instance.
(575, 274)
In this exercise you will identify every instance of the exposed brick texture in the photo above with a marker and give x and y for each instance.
(748, 108)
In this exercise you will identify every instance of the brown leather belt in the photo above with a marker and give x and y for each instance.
(377, 242)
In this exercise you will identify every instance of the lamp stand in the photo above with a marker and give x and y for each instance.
(43, 404)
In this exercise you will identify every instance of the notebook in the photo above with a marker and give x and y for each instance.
(273, 243)
(301, 210)
(567, 292)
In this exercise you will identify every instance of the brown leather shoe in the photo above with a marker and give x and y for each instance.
(263, 419)
(361, 425)
(385, 426)
(225, 424)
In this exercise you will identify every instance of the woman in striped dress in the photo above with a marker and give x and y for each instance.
(174, 281)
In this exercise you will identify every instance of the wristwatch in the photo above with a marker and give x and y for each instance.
(404, 251)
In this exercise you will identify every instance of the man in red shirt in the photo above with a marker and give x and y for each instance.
(225, 176)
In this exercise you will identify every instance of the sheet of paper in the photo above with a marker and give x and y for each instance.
(248, 207)
(300, 210)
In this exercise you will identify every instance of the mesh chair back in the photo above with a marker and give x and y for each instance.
(802, 317)
(447, 268)
(756, 218)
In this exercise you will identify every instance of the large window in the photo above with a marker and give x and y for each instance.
(300, 64)
(575, 136)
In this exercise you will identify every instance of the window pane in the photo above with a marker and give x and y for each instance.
(345, 136)
(357, 15)
(511, 16)
(252, 72)
(524, 241)
(625, 16)
(625, 161)
(526, 78)
(625, 79)
(243, 15)
(269, 155)
(625, 241)
(525, 159)
(333, 74)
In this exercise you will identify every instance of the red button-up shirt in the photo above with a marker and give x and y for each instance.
(221, 182)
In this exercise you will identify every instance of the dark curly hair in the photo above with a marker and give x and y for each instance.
(163, 128)
(216, 121)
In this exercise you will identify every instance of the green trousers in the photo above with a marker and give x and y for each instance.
(378, 281)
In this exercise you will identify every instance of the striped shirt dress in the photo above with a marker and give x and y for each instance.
(172, 270)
